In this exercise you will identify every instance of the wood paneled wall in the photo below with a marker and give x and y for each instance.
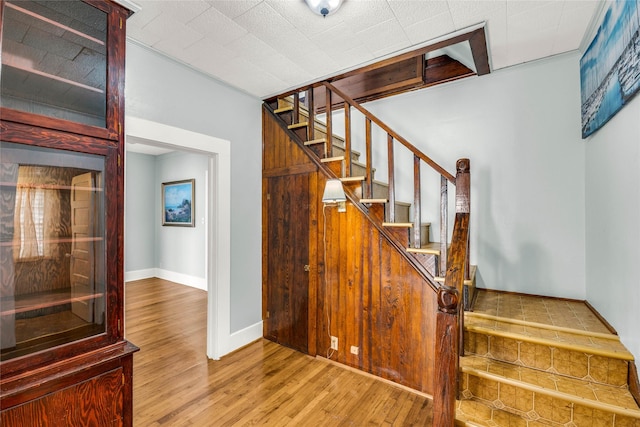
(361, 288)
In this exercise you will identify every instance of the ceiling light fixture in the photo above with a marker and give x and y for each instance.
(324, 7)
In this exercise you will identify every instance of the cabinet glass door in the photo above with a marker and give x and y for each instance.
(54, 60)
(52, 248)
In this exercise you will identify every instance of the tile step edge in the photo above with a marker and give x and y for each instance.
(626, 355)
(632, 413)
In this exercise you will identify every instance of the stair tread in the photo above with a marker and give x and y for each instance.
(594, 395)
(432, 248)
(553, 311)
(554, 322)
(298, 125)
(374, 201)
(562, 338)
(283, 109)
(472, 413)
(352, 178)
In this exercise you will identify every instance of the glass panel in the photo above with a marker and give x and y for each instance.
(52, 247)
(54, 60)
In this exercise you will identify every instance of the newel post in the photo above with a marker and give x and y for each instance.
(448, 318)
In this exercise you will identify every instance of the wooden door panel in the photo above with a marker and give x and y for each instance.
(82, 255)
(288, 254)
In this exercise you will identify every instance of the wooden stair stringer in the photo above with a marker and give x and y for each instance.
(355, 200)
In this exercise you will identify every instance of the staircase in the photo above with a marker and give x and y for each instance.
(528, 361)
(401, 220)
(532, 361)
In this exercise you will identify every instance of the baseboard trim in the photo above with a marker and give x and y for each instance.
(243, 337)
(183, 279)
(139, 274)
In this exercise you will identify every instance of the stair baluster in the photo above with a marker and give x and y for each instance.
(391, 214)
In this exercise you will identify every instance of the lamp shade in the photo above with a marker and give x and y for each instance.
(323, 7)
(333, 192)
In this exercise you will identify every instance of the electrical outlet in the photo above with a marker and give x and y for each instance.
(354, 350)
(334, 343)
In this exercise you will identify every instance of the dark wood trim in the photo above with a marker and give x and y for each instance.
(476, 39)
(289, 170)
(19, 389)
(313, 308)
(444, 69)
(478, 42)
(37, 120)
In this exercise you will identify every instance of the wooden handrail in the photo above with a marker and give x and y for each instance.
(387, 129)
(449, 321)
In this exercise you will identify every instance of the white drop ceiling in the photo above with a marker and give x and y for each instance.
(265, 47)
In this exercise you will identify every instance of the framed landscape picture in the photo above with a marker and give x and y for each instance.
(178, 203)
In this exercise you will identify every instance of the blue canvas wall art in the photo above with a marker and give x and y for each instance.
(610, 67)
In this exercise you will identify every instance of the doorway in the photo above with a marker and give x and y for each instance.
(218, 218)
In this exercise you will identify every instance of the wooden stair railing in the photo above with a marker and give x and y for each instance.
(453, 260)
(449, 319)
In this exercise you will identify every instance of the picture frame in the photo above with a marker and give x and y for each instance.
(178, 203)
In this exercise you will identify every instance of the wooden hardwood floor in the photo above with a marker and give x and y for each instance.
(261, 384)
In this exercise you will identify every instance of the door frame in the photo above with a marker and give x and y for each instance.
(218, 220)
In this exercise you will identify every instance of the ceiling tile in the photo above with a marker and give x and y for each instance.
(430, 29)
(362, 14)
(410, 12)
(466, 13)
(234, 8)
(250, 46)
(214, 22)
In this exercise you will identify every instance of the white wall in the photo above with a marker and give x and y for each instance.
(613, 223)
(140, 196)
(180, 251)
(520, 127)
(164, 91)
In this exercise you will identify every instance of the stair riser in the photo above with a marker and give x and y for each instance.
(539, 407)
(575, 364)
(361, 170)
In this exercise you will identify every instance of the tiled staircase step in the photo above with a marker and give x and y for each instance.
(576, 362)
(544, 396)
(553, 311)
(608, 345)
(471, 413)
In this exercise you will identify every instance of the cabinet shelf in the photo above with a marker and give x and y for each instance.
(62, 240)
(50, 186)
(53, 23)
(39, 300)
(30, 70)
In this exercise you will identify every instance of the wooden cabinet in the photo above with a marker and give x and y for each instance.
(63, 357)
